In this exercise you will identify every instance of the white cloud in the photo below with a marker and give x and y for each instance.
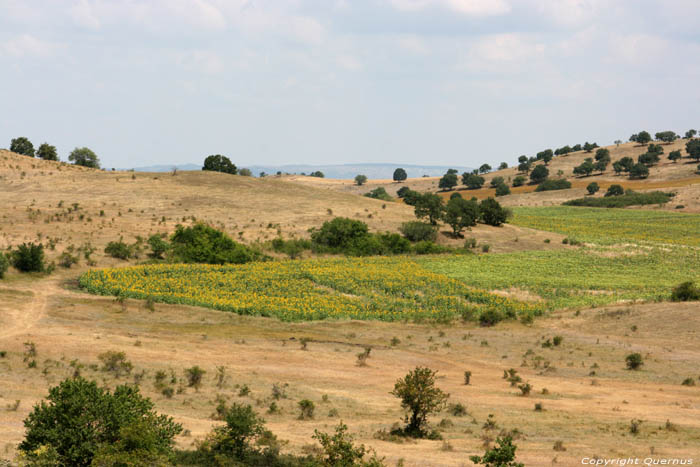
(84, 15)
(572, 13)
(412, 43)
(466, 7)
(349, 63)
(203, 61)
(28, 45)
(506, 48)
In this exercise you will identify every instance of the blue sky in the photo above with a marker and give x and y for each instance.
(459, 82)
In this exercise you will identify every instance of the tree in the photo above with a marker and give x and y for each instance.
(339, 450)
(492, 213)
(485, 168)
(524, 167)
(400, 175)
(674, 156)
(539, 174)
(617, 142)
(648, 159)
(47, 152)
(547, 157)
(158, 246)
(576, 148)
(601, 165)
(589, 147)
(502, 190)
(204, 244)
(472, 181)
(219, 163)
(339, 232)
(585, 169)
(690, 134)
(615, 190)
(84, 157)
(639, 171)
(617, 167)
(403, 191)
(602, 153)
(429, 205)
(522, 159)
(317, 174)
(80, 419)
(626, 163)
(667, 137)
(448, 181)
(28, 257)
(519, 180)
(503, 166)
(460, 213)
(643, 138)
(495, 181)
(592, 188)
(362, 179)
(420, 398)
(502, 455)
(692, 147)
(22, 145)
(242, 427)
(245, 172)
(655, 149)
(634, 361)
(4, 265)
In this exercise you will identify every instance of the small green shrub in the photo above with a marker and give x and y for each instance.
(417, 231)
(4, 265)
(554, 184)
(429, 248)
(634, 361)
(29, 257)
(118, 250)
(306, 409)
(685, 292)
(615, 190)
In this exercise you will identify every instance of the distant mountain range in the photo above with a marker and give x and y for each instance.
(340, 171)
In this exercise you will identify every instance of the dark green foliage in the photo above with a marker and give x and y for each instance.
(554, 184)
(361, 180)
(429, 205)
(219, 163)
(492, 213)
(589, 147)
(615, 190)
(317, 174)
(485, 168)
(524, 167)
(455, 195)
(403, 191)
(292, 248)
(602, 153)
(674, 156)
(460, 213)
(502, 455)
(472, 181)
(563, 151)
(592, 188)
(81, 420)
(4, 265)
(118, 250)
(624, 200)
(419, 398)
(666, 136)
(643, 138)
(503, 166)
(245, 172)
(685, 292)
(306, 409)
(539, 174)
(400, 175)
(585, 169)
(639, 171)
(339, 450)
(233, 439)
(194, 376)
(47, 152)
(576, 147)
(648, 159)
(634, 361)
(495, 181)
(448, 181)
(22, 145)
(490, 317)
(379, 193)
(84, 157)
(626, 163)
(28, 257)
(690, 134)
(158, 246)
(502, 190)
(692, 147)
(519, 180)
(426, 247)
(204, 244)
(417, 231)
(601, 165)
(339, 232)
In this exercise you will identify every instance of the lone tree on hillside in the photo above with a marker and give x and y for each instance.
(503, 166)
(643, 138)
(539, 174)
(84, 157)
(592, 188)
(472, 181)
(690, 134)
(492, 213)
(22, 145)
(692, 147)
(400, 175)
(674, 155)
(360, 179)
(219, 163)
(485, 168)
(429, 205)
(47, 152)
(420, 398)
(448, 181)
(460, 213)
(585, 169)
(667, 137)
(501, 456)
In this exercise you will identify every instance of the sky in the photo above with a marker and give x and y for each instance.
(442, 82)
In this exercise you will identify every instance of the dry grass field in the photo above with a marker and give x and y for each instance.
(587, 396)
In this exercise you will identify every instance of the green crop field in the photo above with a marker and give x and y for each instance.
(609, 226)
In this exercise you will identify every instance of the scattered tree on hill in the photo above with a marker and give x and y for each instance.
(419, 398)
(245, 172)
(84, 157)
(576, 148)
(461, 214)
(362, 179)
(563, 151)
(648, 159)
(28, 257)
(519, 180)
(503, 166)
(502, 455)
(339, 450)
(219, 163)
(589, 147)
(485, 168)
(524, 167)
(639, 171)
(601, 165)
(495, 181)
(667, 136)
(22, 145)
(539, 174)
(502, 190)
(522, 159)
(47, 152)
(472, 181)
(643, 138)
(602, 153)
(492, 213)
(592, 188)
(692, 147)
(317, 174)
(617, 167)
(400, 175)
(690, 134)
(379, 193)
(545, 155)
(615, 190)
(585, 169)
(82, 424)
(204, 244)
(674, 156)
(429, 205)
(403, 191)
(448, 181)
(617, 142)
(634, 361)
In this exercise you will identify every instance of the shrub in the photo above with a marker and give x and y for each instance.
(306, 409)
(539, 174)
(400, 175)
(204, 244)
(426, 247)
(339, 450)
(360, 180)
(615, 190)
(550, 185)
(457, 410)
(194, 376)
(417, 231)
(22, 145)
(4, 265)
(158, 246)
(592, 188)
(519, 180)
(219, 163)
(490, 317)
(685, 292)
(81, 423)
(688, 382)
(495, 181)
(28, 257)
(634, 361)
(84, 157)
(394, 243)
(502, 190)
(47, 152)
(419, 398)
(293, 248)
(118, 250)
(401, 192)
(339, 232)
(492, 213)
(379, 193)
(502, 455)
(621, 201)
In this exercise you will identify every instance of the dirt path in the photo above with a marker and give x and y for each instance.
(20, 320)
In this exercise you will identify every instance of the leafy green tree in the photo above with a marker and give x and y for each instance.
(667, 136)
(419, 398)
(472, 181)
(339, 232)
(28, 257)
(648, 159)
(639, 171)
(685, 292)
(429, 205)
(411, 197)
(219, 163)
(502, 455)
(522, 159)
(22, 145)
(674, 156)
(519, 180)
(601, 165)
(690, 134)
(589, 147)
(539, 174)
(503, 166)
(245, 172)
(80, 420)
(317, 174)
(204, 244)
(485, 168)
(158, 246)
(495, 181)
(502, 190)
(400, 175)
(84, 157)
(403, 191)
(492, 213)
(416, 231)
(592, 188)
(655, 149)
(460, 213)
(692, 147)
(339, 450)
(448, 181)
(627, 163)
(617, 167)
(576, 148)
(118, 249)
(643, 138)
(585, 169)
(361, 180)
(524, 167)
(634, 361)
(563, 151)
(379, 193)
(234, 439)
(615, 190)
(4, 265)
(602, 153)
(47, 152)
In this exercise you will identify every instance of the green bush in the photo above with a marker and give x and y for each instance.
(204, 244)
(4, 265)
(519, 180)
(502, 455)
(624, 200)
(492, 213)
(118, 250)
(158, 246)
(22, 145)
(28, 257)
(219, 163)
(634, 361)
(490, 317)
(394, 243)
(427, 247)
(379, 193)
(615, 190)
(339, 233)
(592, 188)
(685, 292)
(502, 190)
(419, 398)
(461, 214)
(554, 184)
(292, 248)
